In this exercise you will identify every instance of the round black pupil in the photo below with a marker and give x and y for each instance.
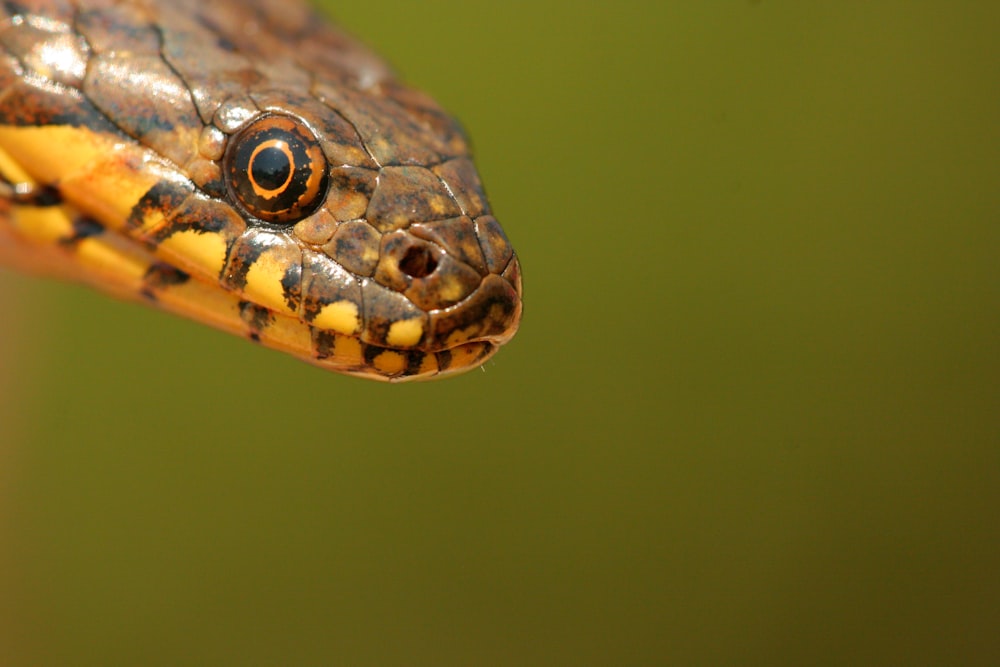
(270, 168)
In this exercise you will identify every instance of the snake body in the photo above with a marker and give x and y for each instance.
(251, 166)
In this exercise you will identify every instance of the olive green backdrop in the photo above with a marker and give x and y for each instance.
(751, 417)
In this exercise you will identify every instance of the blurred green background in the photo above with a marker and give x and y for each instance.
(751, 417)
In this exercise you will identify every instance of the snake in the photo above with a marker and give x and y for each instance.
(250, 165)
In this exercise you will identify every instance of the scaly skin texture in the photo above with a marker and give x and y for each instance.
(120, 131)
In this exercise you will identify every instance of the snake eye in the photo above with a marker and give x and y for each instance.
(276, 169)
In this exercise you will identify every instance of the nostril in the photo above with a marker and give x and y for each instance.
(418, 262)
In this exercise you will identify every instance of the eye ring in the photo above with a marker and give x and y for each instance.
(275, 169)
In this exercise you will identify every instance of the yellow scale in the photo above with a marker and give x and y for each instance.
(105, 179)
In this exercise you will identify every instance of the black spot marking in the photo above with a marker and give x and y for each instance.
(165, 275)
(291, 286)
(370, 353)
(257, 318)
(414, 360)
(444, 359)
(241, 259)
(28, 105)
(29, 194)
(163, 197)
(83, 228)
(200, 215)
(161, 276)
(323, 343)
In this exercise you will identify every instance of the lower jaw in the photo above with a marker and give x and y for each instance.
(418, 365)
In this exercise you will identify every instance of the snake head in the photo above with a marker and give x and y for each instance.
(370, 202)
(251, 166)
